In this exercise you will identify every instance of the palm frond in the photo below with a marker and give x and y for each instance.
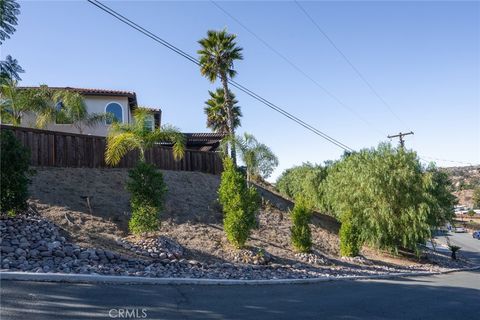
(118, 145)
(171, 134)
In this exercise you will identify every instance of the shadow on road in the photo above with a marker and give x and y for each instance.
(452, 296)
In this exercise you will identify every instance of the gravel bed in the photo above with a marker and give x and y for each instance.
(34, 244)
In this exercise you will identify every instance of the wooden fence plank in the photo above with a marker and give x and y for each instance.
(51, 148)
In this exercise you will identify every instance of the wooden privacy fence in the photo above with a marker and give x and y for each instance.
(60, 149)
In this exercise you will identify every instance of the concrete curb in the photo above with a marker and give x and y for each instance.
(96, 279)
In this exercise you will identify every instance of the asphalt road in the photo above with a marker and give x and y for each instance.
(470, 247)
(448, 296)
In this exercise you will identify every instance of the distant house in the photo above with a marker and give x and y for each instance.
(120, 103)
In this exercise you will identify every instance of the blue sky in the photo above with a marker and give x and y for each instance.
(422, 57)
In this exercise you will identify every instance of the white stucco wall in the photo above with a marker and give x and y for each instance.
(95, 104)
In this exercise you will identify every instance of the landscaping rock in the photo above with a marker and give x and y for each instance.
(33, 244)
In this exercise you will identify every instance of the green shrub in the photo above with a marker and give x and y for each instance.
(305, 181)
(349, 237)
(239, 203)
(144, 219)
(301, 233)
(146, 186)
(147, 190)
(15, 160)
(385, 190)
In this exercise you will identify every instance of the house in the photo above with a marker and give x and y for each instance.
(121, 104)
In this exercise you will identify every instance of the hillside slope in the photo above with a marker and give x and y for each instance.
(465, 180)
(192, 215)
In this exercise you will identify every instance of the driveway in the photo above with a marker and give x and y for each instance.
(447, 296)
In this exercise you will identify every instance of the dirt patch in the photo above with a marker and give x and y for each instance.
(91, 206)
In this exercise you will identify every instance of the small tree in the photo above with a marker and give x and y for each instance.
(239, 203)
(15, 161)
(301, 233)
(145, 182)
(349, 237)
(453, 249)
(147, 190)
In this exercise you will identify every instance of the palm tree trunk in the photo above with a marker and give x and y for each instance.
(228, 108)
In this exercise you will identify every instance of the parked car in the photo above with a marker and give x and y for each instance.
(476, 234)
(459, 230)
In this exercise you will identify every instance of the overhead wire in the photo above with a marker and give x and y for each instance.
(298, 69)
(235, 84)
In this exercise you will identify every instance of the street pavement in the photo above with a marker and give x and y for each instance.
(470, 247)
(448, 296)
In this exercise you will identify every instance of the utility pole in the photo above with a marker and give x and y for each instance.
(400, 136)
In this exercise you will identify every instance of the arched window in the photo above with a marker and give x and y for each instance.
(116, 110)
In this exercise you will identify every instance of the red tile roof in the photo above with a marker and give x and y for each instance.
(132, 97)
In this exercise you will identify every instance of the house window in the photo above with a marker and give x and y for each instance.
(149, 123)
(116, 110)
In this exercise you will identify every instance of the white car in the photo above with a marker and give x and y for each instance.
(459, 230)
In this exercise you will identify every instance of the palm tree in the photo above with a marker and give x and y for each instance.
(217, 118)
(123, 138)
(257, 157)
(218, 53)
(9, 69)
(15, 102)
(70, 108)
(61, 107)
(9, 9)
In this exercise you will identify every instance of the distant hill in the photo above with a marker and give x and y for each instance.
(465, 180)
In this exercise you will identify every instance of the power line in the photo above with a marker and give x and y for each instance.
(297, 68)
(362, 77)
(235, 84)
(444, 160)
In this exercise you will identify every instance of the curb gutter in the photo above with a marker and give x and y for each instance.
(102, 279)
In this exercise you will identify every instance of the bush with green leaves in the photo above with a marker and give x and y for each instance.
(383, 189)
(438, 197)
(144, 219)
(301, 235)
(15, 160)
(349, 238)
(239, 202)
(306, 181)
(147, 190)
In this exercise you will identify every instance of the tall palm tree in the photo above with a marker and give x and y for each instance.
(9, 69)
(218, 53)
(217, 118)
(257, 157)
(123, 138)
(9, 9)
